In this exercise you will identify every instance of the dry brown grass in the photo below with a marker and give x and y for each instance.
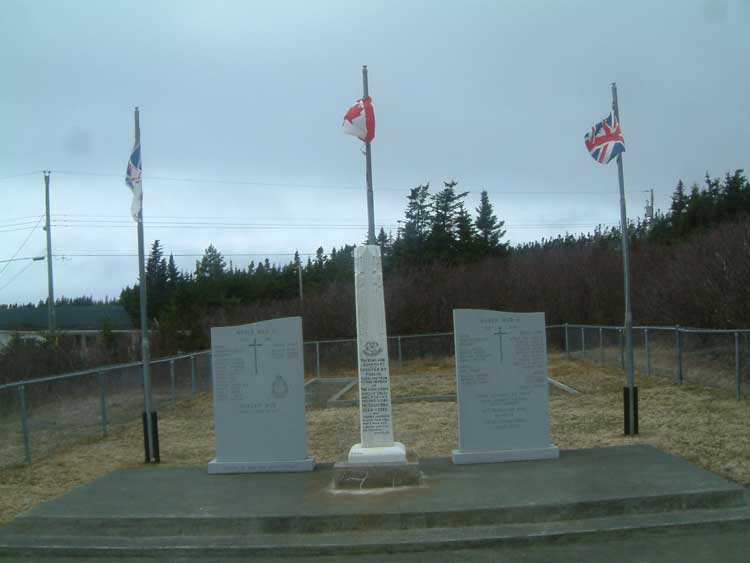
(706, 426)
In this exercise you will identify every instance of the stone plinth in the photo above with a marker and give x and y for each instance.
(372, 471)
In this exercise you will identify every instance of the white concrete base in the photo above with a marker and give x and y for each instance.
(373, 456)
(296, 465)
(496, 456)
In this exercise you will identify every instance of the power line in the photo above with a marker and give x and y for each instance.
(127, 218)
(178, 255)
(20, 247)
(18, 219)
(24, 258)
(307, 186)
(21, 224)
(16, 229)
(189, 226)
(223, 181)
(2, 178)
(17, 275)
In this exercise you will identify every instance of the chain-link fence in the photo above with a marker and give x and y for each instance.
(710, 357)
(40, 415)
(44, 414)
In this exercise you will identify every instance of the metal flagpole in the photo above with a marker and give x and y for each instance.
(145, 347)
(50, 286)
(626, 270)
(368, 155)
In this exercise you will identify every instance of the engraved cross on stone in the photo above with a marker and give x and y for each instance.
(499, 334)
(255, 346)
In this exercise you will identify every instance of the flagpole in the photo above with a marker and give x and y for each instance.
(368, 156)
(145, 346)
(631, 422)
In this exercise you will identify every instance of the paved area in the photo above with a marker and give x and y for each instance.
(613, 491)
(579, 476)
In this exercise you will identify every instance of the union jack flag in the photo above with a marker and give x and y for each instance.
(604, 142)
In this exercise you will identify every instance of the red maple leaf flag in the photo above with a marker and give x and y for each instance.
(360, 120)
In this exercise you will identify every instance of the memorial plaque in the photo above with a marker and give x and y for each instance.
(377, 445)
(501, 381)
(259, 397)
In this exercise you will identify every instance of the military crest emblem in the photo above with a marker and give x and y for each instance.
(372, 348)
(279, 388)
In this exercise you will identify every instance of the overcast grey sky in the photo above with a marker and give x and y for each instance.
(496, 95)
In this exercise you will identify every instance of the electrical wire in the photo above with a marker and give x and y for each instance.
(178, 255)
(21, 247)
(21, 271)
(305, 186)
(22, 220)
(16, 229)
(188, 226)
(2, 178)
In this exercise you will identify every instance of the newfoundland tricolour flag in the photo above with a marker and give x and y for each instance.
(360, 120)
(133, 180)
(604, 142)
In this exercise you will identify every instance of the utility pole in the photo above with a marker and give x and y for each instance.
(651, 210)
(299, 272)
(50, 285)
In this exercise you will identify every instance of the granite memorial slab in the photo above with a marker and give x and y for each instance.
(259, 398)
(502, 389)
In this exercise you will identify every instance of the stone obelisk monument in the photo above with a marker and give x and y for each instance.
(376, 421)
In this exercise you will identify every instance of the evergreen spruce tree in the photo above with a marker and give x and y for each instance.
(411, 237)
(173, 274)
(679, 204)
(211, 266)
(156, 281)
(446, 209)
(490, 230)
(466, 242)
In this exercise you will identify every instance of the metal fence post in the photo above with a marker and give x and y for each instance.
(103, 402)
(567, 347)
(583, 343)
(678, 337)
(400, 357)
(24, 423)
(193, 380)
(647, 345)
(209, 362)
(601, 346)
(622, 348)
(172, 384)
(317, 358)
(737, 364)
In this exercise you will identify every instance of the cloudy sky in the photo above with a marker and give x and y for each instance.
(241, 106)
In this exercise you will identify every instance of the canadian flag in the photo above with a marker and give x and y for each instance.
(360, 120)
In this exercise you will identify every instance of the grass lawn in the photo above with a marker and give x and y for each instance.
(706, 426)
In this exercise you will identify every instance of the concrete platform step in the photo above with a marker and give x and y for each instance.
(586, 495)
(381, 541)
(209, 525)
